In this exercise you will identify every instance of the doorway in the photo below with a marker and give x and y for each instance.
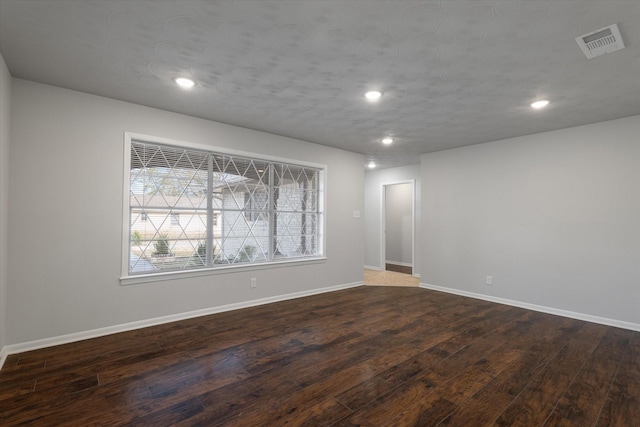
(397, 220)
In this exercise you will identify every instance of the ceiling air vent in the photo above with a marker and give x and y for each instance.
(601, 41)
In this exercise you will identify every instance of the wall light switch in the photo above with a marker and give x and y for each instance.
(356, 214)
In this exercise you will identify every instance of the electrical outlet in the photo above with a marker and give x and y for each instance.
(489, 280)
(253, 282)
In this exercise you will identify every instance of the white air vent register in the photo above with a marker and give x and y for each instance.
(601, 41)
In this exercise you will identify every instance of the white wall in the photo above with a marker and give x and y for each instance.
(399, 223)
(66, 178)
(5, 106)
(373, 182)
(553, 217)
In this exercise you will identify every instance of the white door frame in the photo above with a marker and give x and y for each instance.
(383, 222)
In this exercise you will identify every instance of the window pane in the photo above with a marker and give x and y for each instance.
(168, 207)
(296, 234)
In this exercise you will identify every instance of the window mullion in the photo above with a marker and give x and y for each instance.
(271, 214)
(209, 243)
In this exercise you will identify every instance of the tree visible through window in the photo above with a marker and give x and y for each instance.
(193, 209)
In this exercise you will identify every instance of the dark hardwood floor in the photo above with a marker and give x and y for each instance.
(377, 356)
(398, 268)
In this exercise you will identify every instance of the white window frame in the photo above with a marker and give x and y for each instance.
(127, 279)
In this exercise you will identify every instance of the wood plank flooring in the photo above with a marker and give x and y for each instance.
(398, 268)
(374, 356)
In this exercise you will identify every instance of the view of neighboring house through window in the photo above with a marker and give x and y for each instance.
(175, 218)
(191, 209)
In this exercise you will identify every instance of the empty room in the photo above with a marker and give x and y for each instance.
(320, 212)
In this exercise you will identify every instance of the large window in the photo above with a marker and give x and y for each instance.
(193, 209)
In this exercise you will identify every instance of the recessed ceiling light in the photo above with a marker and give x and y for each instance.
(371, 165)
(184, 82)
(387, 141)
(540, 104)
(373, 95)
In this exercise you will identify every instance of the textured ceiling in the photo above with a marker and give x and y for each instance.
(452, 72)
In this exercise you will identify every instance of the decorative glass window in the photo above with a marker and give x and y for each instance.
(175, 218)
(192, 209)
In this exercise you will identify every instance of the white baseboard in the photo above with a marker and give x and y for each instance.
(3, 356)
(416, 275)
(535, 307)
(94, 333)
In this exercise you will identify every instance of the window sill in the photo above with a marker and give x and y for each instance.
(176, 275)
